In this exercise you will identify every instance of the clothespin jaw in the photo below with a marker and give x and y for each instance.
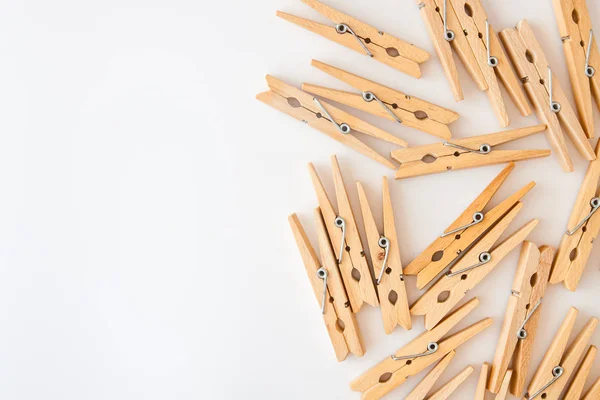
(345, 239)
(544, 90)
(583, 228)
(363, 38)
(417, 355)
(521, 318)
(479, 261)
(329, 290)
(471, 152)
(463, 25)
(582, 55)
(387, 264)
(332, 121)
(559, 362)
(425, 386)
(385, 102)
(468, 228)
(577, 384)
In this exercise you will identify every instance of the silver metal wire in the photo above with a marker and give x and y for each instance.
(344, 28)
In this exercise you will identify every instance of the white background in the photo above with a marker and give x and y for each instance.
(144, 245)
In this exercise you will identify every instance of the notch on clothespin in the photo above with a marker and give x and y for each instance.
(521, 319)
(472, 152)
(363, 38)
(418, 354)
(577, 384)
(327, 285)
(583, 228)
(387, 264)
(559, 362)
(583, 59)
(345, 239)
(476, 264)
(467, 230)
(545, 93)
(464, 25)
(332, 121)
(387, 103)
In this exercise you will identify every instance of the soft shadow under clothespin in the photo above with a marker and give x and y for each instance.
(363, 38)
(463, 25)
(332, 121)
(550, 102)
(559, 362)
(387, 103)
(582, 55)
(417, 355)
(521, 319)
(472, 152)
(327, 285)
(583, 228)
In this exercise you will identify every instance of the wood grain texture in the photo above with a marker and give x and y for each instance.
(424, 387)
(446, 391)
(503, 392)
(482, 382)
(577, 384)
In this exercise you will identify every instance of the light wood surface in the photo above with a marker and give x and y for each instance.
(284, 97)
(436, 158)
(389, 374)
(446, 391)
(504, 388)
(559, 355)
(434, 306)
(575, 37)
(577, 384)
(343, 340)
(574, 250)
(425, 386)
(594, 392)
(391, 289)
(482, 382)
(384, 47)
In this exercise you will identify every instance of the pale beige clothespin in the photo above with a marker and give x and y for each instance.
(387, 264)
(543, 88)
(583, 227)
(480, 392)
(559, 362)
(463, 25)
(472, 152)
(327, 285)
(363, 38)
(385, 102)
(583, 59)
(521, 320)
(417, 355)
(577, 384)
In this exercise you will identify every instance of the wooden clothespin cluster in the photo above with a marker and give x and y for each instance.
(545, 93)
(475, 151)
(358, 36)
(463, 25)
(583, 59)
(582, 229)
(343, 277)
(418, 354)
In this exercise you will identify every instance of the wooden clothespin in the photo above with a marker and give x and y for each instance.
(387, 103)
(577, 384)
(327, 285)
(417, 355)
(479, 261)
(387, 264)
(559, 362)
(345, 239)
(583, 228)
(446, 391)
(424, 387)
(482, 383)
(594, 392)
(583, 59)
(545, 93)
(471, 152)
(332, 121)
(464, 25)
(363, 38)
(521, 319)
(467, 230)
